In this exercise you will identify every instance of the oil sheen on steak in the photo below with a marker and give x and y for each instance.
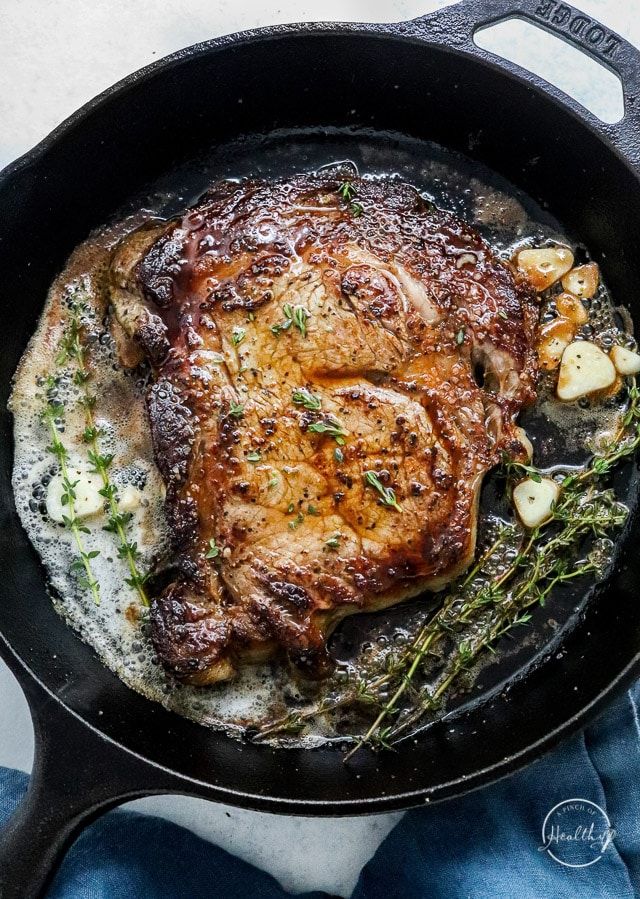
(278, 317)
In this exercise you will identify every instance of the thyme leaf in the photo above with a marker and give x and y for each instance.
(297, 316)
(387, 494)
(214, 551)
(303, 397)
(331, 427)
(348, 191)
(300, 317)
(297, 521)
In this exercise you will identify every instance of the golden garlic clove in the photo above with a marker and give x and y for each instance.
(582, 281)
(526, 444)
(555, 337)
(584, 369)
(533, 500)
(544, 266)
(626, 361)
(569, 306)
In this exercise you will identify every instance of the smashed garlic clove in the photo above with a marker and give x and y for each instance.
(626, 361)
(544, 266)
(555, 337)
(571, 308)
(584, 369)
(534, 500)
(582, 281)
(129, 498)
(87, 502)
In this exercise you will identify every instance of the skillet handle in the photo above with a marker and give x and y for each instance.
(456, 26)
(77, 776)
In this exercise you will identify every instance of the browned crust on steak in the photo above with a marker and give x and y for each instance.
(402, 305)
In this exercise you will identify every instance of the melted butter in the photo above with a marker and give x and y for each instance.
(86, 486)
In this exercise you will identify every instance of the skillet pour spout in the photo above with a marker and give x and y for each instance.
(99, 743)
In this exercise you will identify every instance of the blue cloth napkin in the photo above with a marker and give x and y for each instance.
(483, 846)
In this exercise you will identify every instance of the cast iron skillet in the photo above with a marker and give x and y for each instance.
(97, 742)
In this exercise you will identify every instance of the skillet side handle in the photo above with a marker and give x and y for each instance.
(456, 25)
(77, 775)
(34, 840)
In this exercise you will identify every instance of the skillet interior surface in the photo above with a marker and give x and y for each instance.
(329, 87)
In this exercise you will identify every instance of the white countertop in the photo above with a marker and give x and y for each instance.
(54, 56)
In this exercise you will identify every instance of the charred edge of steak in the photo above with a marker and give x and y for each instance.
(153, 340)
(172, 429)
(199, 644)
(189, 641)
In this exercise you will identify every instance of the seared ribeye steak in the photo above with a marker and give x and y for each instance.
(335, 368)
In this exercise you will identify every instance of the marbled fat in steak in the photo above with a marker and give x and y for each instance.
(334, 371)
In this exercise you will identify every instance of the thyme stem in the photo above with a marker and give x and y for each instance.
(420, 648)
(71, 520)
(72, 347)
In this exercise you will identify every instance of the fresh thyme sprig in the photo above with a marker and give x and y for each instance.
(500, 620)
(72, 349)
(491, 599)
(535, 574)
(294, 722)
(80, 567)
(537, 568)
